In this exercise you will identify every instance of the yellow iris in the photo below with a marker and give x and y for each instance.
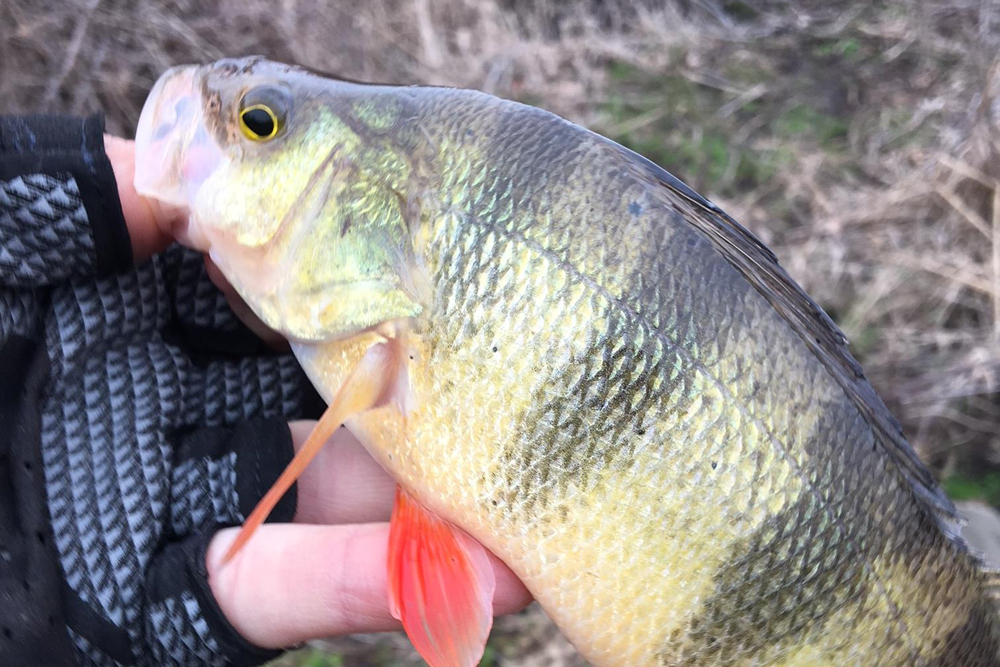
(258, 122)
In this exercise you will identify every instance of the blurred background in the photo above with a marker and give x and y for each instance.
(860, 140)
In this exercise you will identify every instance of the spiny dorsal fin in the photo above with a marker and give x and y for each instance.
(760, 267)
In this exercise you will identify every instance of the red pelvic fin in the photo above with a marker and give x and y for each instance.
(441, 585)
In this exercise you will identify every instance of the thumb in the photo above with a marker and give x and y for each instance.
(292, 583)
(149, 221)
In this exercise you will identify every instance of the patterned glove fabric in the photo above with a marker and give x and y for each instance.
(137, 417)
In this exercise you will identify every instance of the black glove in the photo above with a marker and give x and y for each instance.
(137, 416)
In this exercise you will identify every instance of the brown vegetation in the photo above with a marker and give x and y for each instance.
(860, 140)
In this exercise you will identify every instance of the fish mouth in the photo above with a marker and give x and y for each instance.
(174, 151)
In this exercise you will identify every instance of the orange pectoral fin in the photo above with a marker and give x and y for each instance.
(441, 586)
(375, 377)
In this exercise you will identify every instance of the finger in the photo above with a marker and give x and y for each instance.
(295, 583)
(343, 484)
(148, 221)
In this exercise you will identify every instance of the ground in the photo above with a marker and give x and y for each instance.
(859, 140)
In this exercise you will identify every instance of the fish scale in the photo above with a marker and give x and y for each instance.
(706, 357)
(617, 389)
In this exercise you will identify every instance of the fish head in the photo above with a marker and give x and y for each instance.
(299, 187)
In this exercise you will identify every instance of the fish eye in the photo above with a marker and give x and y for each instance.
(259, 122)
(263, 113)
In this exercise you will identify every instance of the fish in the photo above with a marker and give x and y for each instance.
(565, 355)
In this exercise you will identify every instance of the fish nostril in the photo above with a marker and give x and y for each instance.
(162, 130)
(180, 111)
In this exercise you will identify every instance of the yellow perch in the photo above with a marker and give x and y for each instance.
(559, 349)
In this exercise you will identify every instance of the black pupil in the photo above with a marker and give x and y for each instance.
(259, 122)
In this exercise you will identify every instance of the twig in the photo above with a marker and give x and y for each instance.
(967, 170)
(642, 120)
(996, 265)
(899, 48)
(741, 100)
(709, 81)
(952, 273)
(72, 53)
(499, 69)
(968, 421)
(970, 216)
(836, 28)
(922, 113)
(716, 12)
(425, 25)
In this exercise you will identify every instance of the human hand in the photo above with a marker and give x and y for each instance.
(150, 223)
(324, 574)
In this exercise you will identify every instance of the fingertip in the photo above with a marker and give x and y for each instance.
(293, 583)
(511, 596)
(146, 232)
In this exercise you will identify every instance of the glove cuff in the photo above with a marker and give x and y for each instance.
(184, 623)
(220, 474)
(67, 152)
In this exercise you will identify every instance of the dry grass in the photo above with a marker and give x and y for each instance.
(860, 140)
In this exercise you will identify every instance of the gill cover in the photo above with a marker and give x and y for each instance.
(299, 207)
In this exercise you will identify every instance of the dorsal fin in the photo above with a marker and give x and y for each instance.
(760, 267)
(991, 585)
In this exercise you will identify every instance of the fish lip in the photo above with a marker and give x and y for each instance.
(175, 153)
(157, 140)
